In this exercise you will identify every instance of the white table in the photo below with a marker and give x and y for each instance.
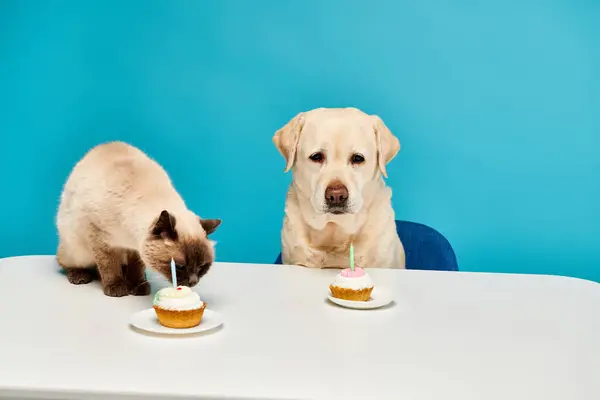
(450, 336)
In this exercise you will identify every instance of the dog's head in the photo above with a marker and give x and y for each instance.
(335, 154)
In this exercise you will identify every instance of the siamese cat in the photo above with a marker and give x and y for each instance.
(119, 213)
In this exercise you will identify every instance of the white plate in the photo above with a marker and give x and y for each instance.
(146, 320)
(379, 298)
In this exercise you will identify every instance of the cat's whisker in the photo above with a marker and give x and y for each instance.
(156, 280)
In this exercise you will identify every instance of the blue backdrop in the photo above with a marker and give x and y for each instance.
(496, 104)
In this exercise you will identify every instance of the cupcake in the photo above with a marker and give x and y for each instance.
(352, 285)
(178, 307)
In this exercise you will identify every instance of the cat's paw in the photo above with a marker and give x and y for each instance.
(80, 276)
(140, 289)
(116, 289)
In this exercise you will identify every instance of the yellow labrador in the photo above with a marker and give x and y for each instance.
(338, 157)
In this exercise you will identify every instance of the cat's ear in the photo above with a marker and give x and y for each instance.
(164, 227)
(210, 225)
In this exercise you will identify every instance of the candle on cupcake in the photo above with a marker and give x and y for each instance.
(173, 273)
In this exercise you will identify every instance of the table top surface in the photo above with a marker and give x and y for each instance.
(467, 336)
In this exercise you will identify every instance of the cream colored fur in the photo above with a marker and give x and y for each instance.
(117, 191)
(314, 238)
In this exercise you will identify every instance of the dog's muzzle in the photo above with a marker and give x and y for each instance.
(336, 198)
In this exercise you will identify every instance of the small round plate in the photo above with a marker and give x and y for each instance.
(146, 320)
(379, 298)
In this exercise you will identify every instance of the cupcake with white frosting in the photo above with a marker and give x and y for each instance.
(355, 285)
(178, 307)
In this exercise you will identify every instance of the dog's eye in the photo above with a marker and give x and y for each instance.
(317, 157)
(179, 268)
(357, 159)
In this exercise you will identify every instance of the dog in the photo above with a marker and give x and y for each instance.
(338, 159)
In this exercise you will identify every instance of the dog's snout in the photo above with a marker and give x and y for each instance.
(336, 194)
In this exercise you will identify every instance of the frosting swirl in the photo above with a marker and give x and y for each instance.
(356, 280)
(180, 298)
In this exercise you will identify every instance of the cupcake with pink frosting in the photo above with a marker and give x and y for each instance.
(355, 285)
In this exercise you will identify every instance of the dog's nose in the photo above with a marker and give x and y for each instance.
(336, 194)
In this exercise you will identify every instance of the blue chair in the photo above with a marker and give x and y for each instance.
(425, 248)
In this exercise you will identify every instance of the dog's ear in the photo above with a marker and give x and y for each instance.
(387, 144)
(286, 139)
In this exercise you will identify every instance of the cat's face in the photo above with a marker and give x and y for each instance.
(193, 255)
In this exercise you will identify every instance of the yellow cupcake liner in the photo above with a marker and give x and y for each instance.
(180, 319)
(351, 294)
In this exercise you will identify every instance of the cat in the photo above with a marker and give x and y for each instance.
(119, 213)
